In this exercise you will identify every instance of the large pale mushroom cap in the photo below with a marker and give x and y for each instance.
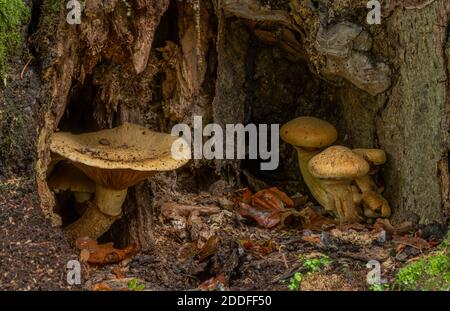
(308, 132)
(373, 156)
(120, 157)
(338, 162)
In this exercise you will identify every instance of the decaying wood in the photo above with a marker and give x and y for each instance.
(241, 61)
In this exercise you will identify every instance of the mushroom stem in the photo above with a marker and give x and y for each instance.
(357, 195)
(101, 213)
(366, 183)
(377, 203)
(109, 201)
(93, 223)
(315, 185)
(345, 207)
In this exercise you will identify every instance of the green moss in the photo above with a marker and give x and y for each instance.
(51, 9)
(429, 273)
(12, 14)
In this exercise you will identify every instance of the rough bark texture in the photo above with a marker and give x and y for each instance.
(158, 63)
(413, 127)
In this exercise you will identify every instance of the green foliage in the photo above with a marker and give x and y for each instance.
(12, 14)
(133, 285)
(51, 8)
(315, 264)
(295, 282)
(311, 265)
(428, 273)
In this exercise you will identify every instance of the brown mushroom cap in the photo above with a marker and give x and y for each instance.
(120, 157)
(338, 162)
(308, 132)
(373, 156)
(68, 177)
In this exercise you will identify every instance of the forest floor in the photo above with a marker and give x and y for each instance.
(204, 245)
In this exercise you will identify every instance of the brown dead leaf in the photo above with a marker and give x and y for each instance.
(101, 287)
(102, 254)
(264, 218)
(272, 199)
(391, 230)
(312, 239)
(247, 196)
(265, 248)
(269, 208)
(209, 249)
(415, 242)
(214, 283)
(315, 221)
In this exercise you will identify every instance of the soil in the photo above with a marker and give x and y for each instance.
(34, 254)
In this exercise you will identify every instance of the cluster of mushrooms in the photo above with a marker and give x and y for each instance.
(340, 179)
(99, 167)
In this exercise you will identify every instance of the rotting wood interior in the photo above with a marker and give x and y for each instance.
(277, 87)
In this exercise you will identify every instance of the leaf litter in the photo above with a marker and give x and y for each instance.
(252, 241)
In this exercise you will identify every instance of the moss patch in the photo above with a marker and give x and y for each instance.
(428, 273)
(12, 14)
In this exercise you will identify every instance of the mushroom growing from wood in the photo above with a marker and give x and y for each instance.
(67, 177)
(115, 159)
(309, 136)
(375, 205)
(337, 167)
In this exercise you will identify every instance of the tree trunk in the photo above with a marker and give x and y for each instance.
(157, 63)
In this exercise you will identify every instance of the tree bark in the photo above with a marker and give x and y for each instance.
(157, 63)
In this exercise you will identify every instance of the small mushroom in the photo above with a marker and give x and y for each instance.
(375, 205)
(372, 198)
(357, 195)
(337, 167)
(375, 158)
(309, 136)
(114, 168)
(67, 177)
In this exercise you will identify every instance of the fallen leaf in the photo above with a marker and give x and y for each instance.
(272, 199)
(209, 248)
(101, 287)
(265, 248)
(263, 218)
(213, 284)
(314, 221)
(247, 196)
(269, 208)
(391, 230)
(312, 239)
(94, 253)
(414, 242)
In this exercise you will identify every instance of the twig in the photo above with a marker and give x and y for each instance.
(420, 6)
(25, 67)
